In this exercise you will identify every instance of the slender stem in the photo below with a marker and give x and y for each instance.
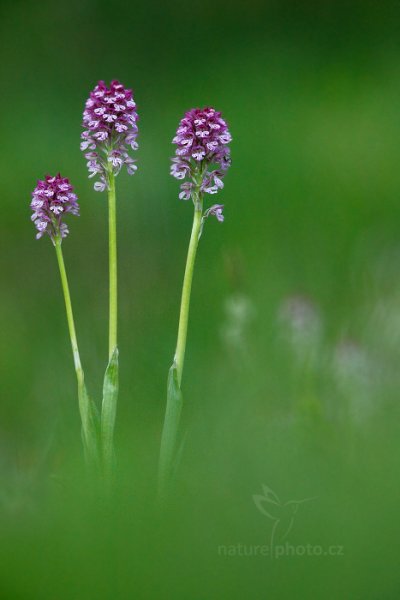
(112, 245)
(186, 289)
(168, 450)
(86, 408)
(68, 308)
(110, 385)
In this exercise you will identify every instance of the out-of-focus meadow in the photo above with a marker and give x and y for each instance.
(291, 378)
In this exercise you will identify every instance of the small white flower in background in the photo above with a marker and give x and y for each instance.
(355, 376)
(301, 326)
(239, 312)
(384, 322)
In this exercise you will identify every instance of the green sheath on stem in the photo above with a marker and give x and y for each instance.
(108, 413)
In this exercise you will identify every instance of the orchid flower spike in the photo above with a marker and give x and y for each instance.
(110, 131)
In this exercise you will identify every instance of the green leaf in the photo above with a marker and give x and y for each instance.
(108, 411)
(169, 437)
(90, 425)
(178, 456)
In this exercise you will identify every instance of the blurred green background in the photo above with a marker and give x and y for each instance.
(291, 377)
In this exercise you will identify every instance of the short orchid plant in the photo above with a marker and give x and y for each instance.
(201, 160)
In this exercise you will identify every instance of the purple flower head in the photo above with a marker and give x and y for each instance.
(110, 123)
(202, 155)
(52, 198)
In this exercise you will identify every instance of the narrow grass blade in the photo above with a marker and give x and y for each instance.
(108, 412)
(178, 457)
(90, 426)
(170, 432)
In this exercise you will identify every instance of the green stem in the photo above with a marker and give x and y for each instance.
(110, 385)
(86, 409)
(112, 246)
(186, 290)
(168, 449)
(68, 308)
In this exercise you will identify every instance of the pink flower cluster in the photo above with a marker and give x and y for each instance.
(53, 198)
(110, 130)
(202, 153)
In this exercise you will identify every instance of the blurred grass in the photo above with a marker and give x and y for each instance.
(311, 201)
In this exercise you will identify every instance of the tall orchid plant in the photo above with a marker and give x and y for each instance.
(110, 131)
